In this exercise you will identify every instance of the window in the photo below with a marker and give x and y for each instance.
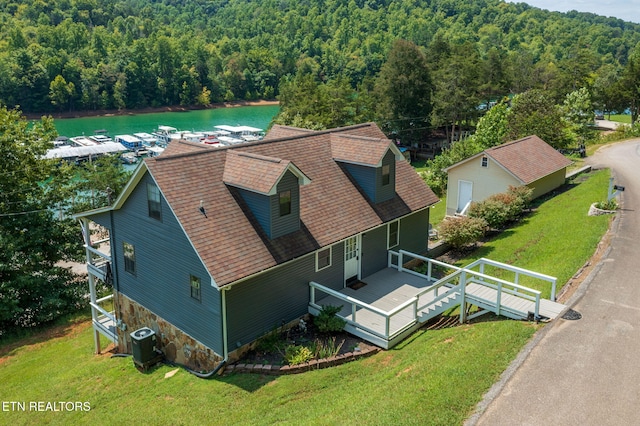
(386, 175)
(129, 257)
(285, 203)
(485, 161)
(195, 287)
(323, 259)
(393, 234)
(153, 201)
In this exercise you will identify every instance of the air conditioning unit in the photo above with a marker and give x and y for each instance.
(143, 343)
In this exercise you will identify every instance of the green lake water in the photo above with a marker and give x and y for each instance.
(198, 120)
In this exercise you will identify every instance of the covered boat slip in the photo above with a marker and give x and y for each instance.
(387, 306)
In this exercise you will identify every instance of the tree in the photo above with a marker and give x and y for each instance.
(492, 127)
(534, 113)
(456, 96)
(578, 113)
(61, 92)
(33, 288)
(403, 92)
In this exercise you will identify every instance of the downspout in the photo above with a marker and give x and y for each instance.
(225, 348)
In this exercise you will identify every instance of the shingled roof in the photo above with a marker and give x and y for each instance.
(527, 159)
(229, 240)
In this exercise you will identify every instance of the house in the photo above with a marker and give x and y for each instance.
(212, 248)
(528, 161)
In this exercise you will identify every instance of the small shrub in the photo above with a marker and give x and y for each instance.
(327, 321)
(327, 348)
(462, 231)
(270, 342)
(502, 208)
(493, 211)
(295, 355)
(612, 204)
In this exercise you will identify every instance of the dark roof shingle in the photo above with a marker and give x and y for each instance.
(229, 241)
(529, 158)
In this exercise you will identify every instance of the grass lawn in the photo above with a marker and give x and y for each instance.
(620, 118)
(434, 377)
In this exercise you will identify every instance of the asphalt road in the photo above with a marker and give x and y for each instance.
(586, 371)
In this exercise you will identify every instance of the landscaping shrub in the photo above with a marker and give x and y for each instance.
(295, 355)
(462, 231)
(327, 321)
(502, 208)
(612, 204)
(493, 211)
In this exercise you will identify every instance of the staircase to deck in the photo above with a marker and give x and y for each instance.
(388, 318)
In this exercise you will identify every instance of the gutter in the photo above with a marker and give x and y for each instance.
(225, 348)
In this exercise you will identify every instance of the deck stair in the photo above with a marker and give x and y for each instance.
(401, 300)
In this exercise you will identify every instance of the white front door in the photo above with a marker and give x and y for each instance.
(352, 259)
(465, 192)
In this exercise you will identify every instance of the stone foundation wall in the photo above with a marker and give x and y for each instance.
(176, 345)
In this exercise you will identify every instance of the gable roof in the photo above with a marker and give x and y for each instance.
(257, 173)
(229, 240)
(361, 150)
(527, 159)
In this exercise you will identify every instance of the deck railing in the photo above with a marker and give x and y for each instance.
(444, 286)
(103, 320)
(518, 272)
(354, 304)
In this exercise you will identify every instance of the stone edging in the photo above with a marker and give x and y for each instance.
(316, 364)
(594, 211)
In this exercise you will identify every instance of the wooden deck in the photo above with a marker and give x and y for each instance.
(548, 309)
(389, 289)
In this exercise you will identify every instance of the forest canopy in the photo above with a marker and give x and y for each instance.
(63, 55)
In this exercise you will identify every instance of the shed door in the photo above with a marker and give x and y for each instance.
(465, 191)
(351, 259)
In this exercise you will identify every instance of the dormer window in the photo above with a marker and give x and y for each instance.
(370, 162)
(285, 202)
(386, 175)
(270, 187)
(485, 161)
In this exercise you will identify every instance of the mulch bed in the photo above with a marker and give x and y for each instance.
(273, 361)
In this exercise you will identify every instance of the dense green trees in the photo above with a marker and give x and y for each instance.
(95, 54)
(36, 232)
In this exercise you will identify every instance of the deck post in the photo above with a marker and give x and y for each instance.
(86, 233)
(463, 295)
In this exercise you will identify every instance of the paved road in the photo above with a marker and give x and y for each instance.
(586, 372)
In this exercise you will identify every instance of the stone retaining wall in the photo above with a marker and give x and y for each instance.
(175, 344)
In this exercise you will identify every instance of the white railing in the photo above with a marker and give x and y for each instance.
(503, 287)
(481, 263)
(453, 284)
(100, 316)
(355, 304)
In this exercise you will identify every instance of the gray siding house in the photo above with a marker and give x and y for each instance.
(212, 248)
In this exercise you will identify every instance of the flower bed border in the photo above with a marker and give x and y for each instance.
(315, 364)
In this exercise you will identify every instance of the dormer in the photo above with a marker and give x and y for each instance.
(270, 187)
(371, 162)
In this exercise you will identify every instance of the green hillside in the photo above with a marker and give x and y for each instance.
(96, 54)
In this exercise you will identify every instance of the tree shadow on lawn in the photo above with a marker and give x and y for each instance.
(14, 340)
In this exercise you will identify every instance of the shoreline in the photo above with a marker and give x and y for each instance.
(112, 113)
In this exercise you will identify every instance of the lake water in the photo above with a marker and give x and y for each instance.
(198, 120)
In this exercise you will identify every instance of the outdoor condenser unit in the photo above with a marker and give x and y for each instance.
(143, 342)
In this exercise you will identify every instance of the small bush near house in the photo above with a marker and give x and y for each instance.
(295, 355)
(327, 321)
(462, 231)
(500, 209)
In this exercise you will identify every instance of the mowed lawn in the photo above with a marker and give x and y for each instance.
(434, 377)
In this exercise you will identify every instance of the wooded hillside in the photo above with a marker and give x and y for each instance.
(97, 54)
